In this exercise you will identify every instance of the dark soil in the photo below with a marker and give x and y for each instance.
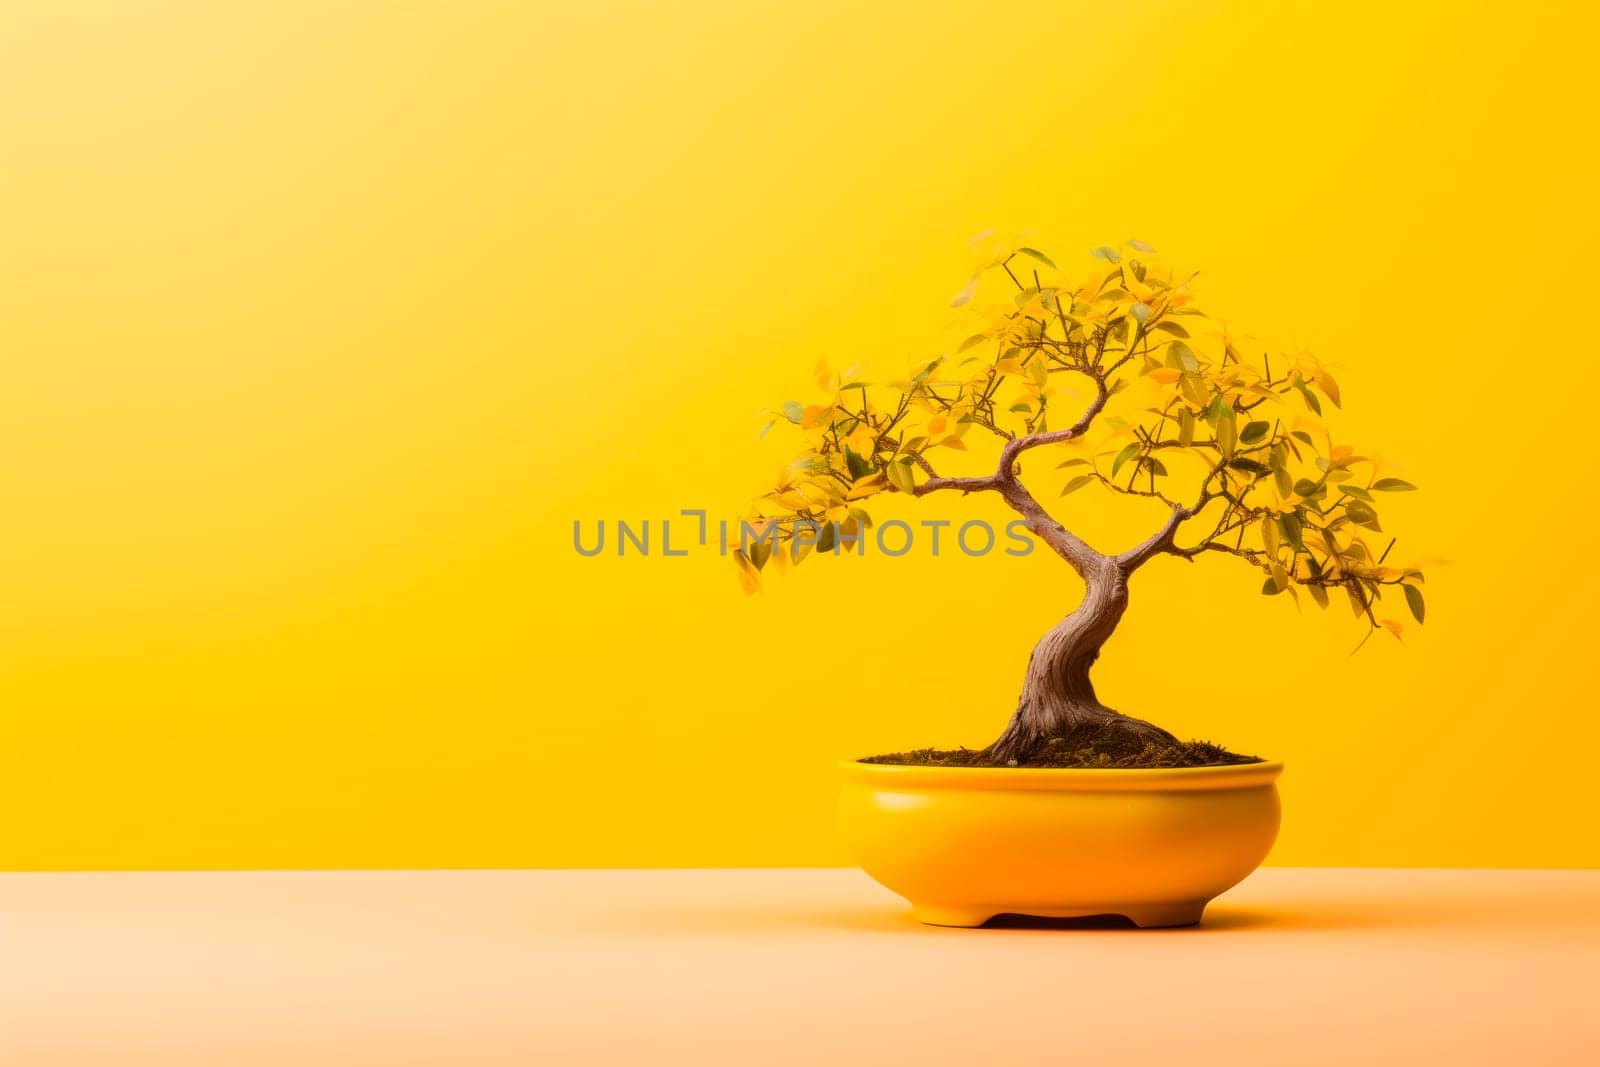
(1073, 752)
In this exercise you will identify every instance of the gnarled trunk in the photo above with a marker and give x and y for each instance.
(1058, 699)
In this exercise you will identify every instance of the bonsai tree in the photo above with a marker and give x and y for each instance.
(1120, 383)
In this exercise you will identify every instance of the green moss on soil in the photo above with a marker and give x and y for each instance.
(1065, 752)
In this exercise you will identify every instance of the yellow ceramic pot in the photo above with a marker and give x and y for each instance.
(965, 844)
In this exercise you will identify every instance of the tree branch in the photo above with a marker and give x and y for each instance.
(965, 485)
(1068, 545)
(1013, 449)
(1161, 540)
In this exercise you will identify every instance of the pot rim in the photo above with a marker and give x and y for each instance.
(1062, 779)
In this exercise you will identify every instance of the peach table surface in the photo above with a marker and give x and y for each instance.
(1295, 966)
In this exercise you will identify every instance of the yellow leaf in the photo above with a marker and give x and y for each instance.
(872, 483)
(749, 577)
(822, 491)
(967, 292)
(1326, 383)
(793, 500)
(861, 441)
(1393, 626)
(1322, 539)
(901, 478)
(827, 381)
(1269, 535)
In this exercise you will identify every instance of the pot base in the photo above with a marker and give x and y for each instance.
(1143, 915)
(965, 844)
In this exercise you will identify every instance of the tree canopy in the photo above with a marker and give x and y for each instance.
(1130, 389)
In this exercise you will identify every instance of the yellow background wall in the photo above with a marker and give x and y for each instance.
(323, 322)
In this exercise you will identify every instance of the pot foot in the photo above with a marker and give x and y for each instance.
(951, 916)
(1184, 913)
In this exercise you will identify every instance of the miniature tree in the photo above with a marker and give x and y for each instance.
(1168, 410)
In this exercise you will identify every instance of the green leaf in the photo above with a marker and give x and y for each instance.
(1185, 428)
(1141, 312)
(1189, 386)
(1107, 253)
(1414, 602)
(1039, 371)
(1174, 328)
(1040, 256)
(770, 424)
(1077, 483)
(1122, 457)
(1139, 246)
(1250, 466)
(1181, 356)
(858, 467)
(1290, 526)
(1021, 406)
(1254, 432)
(1064, 464)
(1310, 398)
(1307, 488)
(1270, 588)
(1393, 485)
(1355, 491)
(793, 411)
(1154, 465)
(1319, 594)
(1362, 514)
(1227, 436)
(899, 475)
(975, 339)
(1280, 476)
